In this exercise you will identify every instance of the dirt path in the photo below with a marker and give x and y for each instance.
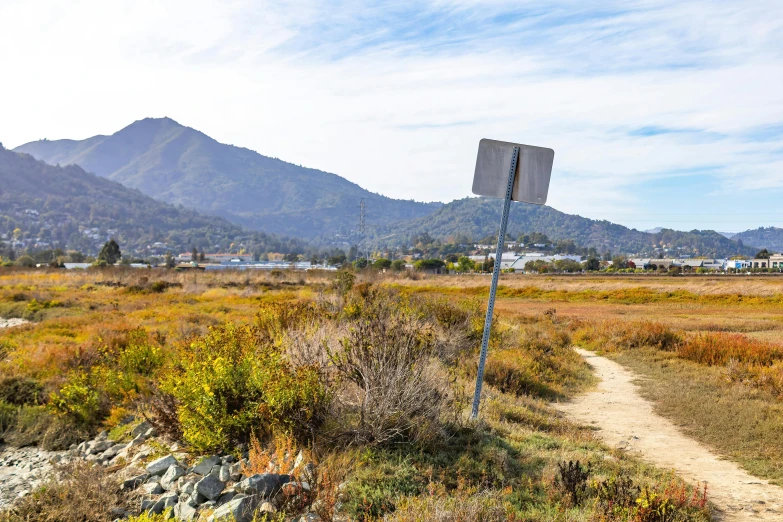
(627, 421)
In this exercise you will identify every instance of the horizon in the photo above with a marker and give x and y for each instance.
(660, 115)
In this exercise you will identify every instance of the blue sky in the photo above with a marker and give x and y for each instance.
(661, 113)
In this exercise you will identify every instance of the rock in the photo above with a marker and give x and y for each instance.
(154, 479)
(184, 511)
(101, 446)
(174, 447)
(224, 473)
(134, 482)
(309, 473)
(186, 484)
(152, 488)
(137, 441)
(235, 471)
(141, 455)
(204, 466)
(228, 459)
(147, 503)
(166, 501)
(102, 436)
(210, 487)
(169, 480)
(141, 429)
(239, 510)
(309, 517)
(265, 485)
(159, 466)
(297, 461)
(267, 507)
(227, 496)
(215, 471)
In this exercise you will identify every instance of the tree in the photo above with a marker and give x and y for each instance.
(110, 252)
(762, 254)
(398, 265)
(169, 260)
(25, 261)
(194, 254)
(465, 264)
(620, 262)
(429, 264)
(593, 264)
(382, 263)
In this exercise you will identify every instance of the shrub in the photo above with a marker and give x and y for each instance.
(717, 349)
(571, 480)
(77, 492)
(234, 381)
(21, 391)
(387, 357)
(32, 425)
(620, 335)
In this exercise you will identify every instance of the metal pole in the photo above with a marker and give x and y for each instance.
(493, 288)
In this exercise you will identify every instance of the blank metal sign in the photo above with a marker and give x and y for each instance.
(534, 168)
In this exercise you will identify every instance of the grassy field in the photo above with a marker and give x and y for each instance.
(710, 349)
(285, 361)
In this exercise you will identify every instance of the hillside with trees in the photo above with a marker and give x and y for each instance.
(45, 207)
(183, 166)
(474, 218)
(770, 238)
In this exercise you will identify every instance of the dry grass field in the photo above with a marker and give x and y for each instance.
(710, 348)
(220, 360)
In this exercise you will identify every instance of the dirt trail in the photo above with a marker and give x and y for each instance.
(627, 421)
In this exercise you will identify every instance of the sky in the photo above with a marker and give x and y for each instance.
(661, 113)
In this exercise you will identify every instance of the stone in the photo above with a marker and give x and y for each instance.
(235, 471)
(102, 436)
(141, 455)
(309, 472)
(210, 487)
(204, 466)
(169, 479)
(228, 459)
(265, 485)
(309, 517)
(224, 473)
(227, 496)
(267, 507)
(215, 471)
(298, 461)
(152, 488)
(101, 446)
(238, 510)
(161, 465)
(134, 482)
(184, 511)
(141, 429)
(166, 501)
(147, 503)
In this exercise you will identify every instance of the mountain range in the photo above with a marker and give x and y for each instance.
(45, 206)
(182, 166)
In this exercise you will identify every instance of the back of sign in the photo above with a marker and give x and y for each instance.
(534, 169)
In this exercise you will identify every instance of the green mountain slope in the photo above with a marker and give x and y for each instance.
(180, 165)
(480, 217)
(770, 238)
(66, 207)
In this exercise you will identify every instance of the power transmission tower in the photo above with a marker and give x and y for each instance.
(361, 226)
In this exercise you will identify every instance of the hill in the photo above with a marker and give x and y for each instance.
(479, 217)
(66, 207)
(183, 166)
(770, 238)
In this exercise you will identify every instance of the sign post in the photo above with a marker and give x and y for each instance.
(495, 159)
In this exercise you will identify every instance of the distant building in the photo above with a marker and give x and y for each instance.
(776, 261)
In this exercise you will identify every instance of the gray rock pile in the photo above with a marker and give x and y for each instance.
(211, 488)
(22, 470)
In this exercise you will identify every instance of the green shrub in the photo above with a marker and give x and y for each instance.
(234, 381)
(21, 391)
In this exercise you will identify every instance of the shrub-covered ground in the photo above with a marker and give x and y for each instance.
(371, 380)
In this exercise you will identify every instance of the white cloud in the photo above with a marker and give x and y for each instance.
(396, 98)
